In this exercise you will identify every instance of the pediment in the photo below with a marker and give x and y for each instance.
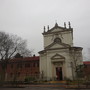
(57, 30)
(57, 45)
(57, 58)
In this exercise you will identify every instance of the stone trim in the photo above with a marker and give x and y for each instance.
(43, 51)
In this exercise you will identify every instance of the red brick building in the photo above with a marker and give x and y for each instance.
(20, 68)
(87, 69)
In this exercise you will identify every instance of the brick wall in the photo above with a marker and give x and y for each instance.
(20, 68)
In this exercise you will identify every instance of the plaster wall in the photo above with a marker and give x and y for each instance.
(50, 66)
(66, 37)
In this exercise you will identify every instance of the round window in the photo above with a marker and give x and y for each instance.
(57, 40)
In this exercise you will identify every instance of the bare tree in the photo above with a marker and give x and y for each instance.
(9, 46)
(76, 63)
(76, 60)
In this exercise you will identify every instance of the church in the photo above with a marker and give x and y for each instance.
(59, 59)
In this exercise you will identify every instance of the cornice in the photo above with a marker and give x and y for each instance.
(75, 48)
(49, 32)
(44, 51)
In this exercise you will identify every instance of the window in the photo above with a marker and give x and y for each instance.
(37, 64)
(11, 65)
(34, 64)
(18, 74)
(27, 65)
(19, 65)
(11, 75)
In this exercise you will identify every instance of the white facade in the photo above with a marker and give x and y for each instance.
(57, 60)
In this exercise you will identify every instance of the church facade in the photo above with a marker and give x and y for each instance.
(59, 59)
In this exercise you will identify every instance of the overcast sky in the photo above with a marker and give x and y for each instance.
(26, 19)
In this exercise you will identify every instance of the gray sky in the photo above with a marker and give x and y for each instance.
(26, 19)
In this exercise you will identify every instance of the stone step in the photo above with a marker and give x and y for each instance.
(56, 82)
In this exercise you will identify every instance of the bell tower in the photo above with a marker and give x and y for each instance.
(65, 35)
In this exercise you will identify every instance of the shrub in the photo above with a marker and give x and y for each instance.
(29, 79)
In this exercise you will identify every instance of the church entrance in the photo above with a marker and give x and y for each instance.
(59, 73)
